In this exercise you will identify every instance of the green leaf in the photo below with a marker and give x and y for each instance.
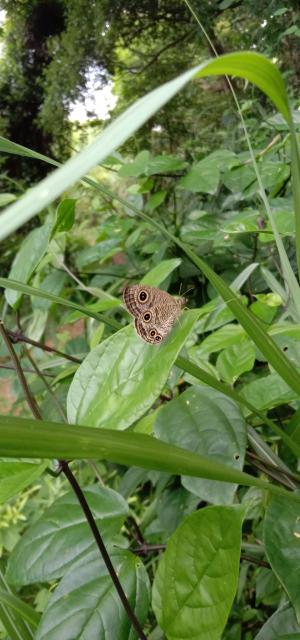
(53, 283)
(206, 378)
(235, 360)
(17, 605)
(104, 394)
(281, 538)
(203, 178)
(20, 437)
(207, 422)
(98, 253)
(6, 198)
(51, 545)
(164, 164)
(28, 257)
(160, 272)
(65, 216)
(15, 476)
(281, 623)
(7, 146)
(268, 392)
(196, 580)
(156, 200)
(137, 167)
(172, 506)
(250, 65)
(220, 339)
(85, 604)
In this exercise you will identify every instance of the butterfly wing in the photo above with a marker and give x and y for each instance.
(162, 309)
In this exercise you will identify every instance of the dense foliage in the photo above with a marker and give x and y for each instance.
(204, 539)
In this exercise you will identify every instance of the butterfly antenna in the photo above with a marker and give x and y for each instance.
(189, 289)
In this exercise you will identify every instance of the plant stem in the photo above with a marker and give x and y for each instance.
(89, 516)
(19, 371)
(17, 336)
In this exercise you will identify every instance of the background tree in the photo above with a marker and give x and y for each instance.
(50, 46)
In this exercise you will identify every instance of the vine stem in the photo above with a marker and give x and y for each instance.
(64, 466)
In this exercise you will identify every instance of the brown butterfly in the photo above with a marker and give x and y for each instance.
(154, 311)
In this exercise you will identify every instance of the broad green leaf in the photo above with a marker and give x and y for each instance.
(281, 538)
(26, 260)
(160, 272)
(164, 163)
(268, 392)
(172, 506)
(267, 587)
(203, 178)
(137, 167)
(62, 535)
(15, 476)
(121, 378)
(53, 283)
(46, 295)
(282, 623)
(221, 339)
(85, 604)
(98, 253)
(196, 580)
(206, 378)
(156, 199)
(235, 360)
(207, 422)
(249, 65)
(20, 437)
(65, 216)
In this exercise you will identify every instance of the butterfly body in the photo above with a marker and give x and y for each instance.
(154, 311)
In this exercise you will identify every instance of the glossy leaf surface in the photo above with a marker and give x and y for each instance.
(207, 422)
(281, 537)
(15, 476)
(61, 536)
(85, 604)
(197, 577)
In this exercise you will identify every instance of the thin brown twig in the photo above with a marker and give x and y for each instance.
(145, 548)
(77, 490)
(139, 536)
(17, 336)
(19, 371)
(260, 563)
